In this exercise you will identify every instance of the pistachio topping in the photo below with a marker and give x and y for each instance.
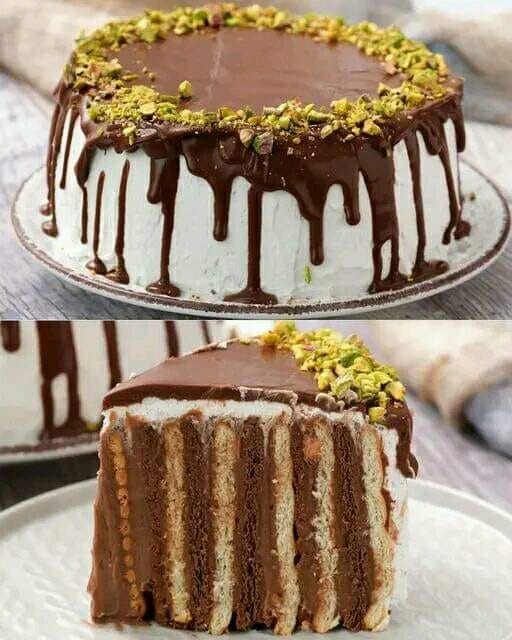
(94, 70)
(344, 368)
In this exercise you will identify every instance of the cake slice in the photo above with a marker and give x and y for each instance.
(255, 483)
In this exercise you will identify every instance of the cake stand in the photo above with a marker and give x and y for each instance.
(488, 214)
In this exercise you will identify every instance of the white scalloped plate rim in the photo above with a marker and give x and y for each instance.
(487, 246)
(444, 499)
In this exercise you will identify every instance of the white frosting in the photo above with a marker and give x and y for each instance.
(207, 269)
(141, 345)
(157, 411)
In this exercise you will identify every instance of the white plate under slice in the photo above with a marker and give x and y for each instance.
(488, 214)
(460, 577)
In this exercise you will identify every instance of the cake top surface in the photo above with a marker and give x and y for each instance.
(260, 71)
(284, 359)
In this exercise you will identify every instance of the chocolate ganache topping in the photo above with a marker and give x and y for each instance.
(294, 104)
(319, 368)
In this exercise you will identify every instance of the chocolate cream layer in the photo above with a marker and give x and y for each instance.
(238, 67)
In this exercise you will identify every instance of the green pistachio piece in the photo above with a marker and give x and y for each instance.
(376, 414)
(185, 89)
(307, 275)
(263, 143)
(246, 137)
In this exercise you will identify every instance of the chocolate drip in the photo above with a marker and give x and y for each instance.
(110, 329)
(119, 274)
(64, 99)
(72, 121)
(11, 338)
(155, 174)
(166, 189)
(58, 356)
(96, 264)
(253, 291)
(421, 266)
(398, 417)
(307, 170)
(206, 332)
(173, 344)
(249, 596)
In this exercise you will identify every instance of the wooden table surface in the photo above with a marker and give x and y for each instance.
(446, 456)
(28, 291)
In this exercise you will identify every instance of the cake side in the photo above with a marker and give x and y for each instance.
(343, 177)
(235, 507)
(275, 515)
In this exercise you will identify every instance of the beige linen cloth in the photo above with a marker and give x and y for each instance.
(36, 35)
(448, 362)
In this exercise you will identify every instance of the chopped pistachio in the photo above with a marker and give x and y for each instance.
(93, 69)
(326, 131)
(263, 143)
(185, 89)
(307, 274)
(343, 367)
(246, 137)
(371, 128)
(148, 108)
(376, 414)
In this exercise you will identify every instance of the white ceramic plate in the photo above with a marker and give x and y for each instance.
(41, 455)
(460, 582)
(488, 215)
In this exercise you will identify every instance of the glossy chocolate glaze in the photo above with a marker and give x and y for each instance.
(228, 372)
(232, 67)
(238, 67)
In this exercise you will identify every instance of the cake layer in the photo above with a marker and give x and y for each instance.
(54, 374)
(236, 188)
(272, 514)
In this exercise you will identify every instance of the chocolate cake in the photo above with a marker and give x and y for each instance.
(55, 374)
(257, 483)
(314, 160)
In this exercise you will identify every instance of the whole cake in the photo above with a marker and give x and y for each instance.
(255, 483)
(245, 155)
(55, 374)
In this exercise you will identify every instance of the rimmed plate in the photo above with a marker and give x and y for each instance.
(76, 448)
(488, 214)
(460, 581)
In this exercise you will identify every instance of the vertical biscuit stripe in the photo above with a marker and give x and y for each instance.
(223, 498)
(196, 442)
(326, 614)
(175, 539)
(286, 596)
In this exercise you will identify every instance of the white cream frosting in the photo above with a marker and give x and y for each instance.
(210, 270)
